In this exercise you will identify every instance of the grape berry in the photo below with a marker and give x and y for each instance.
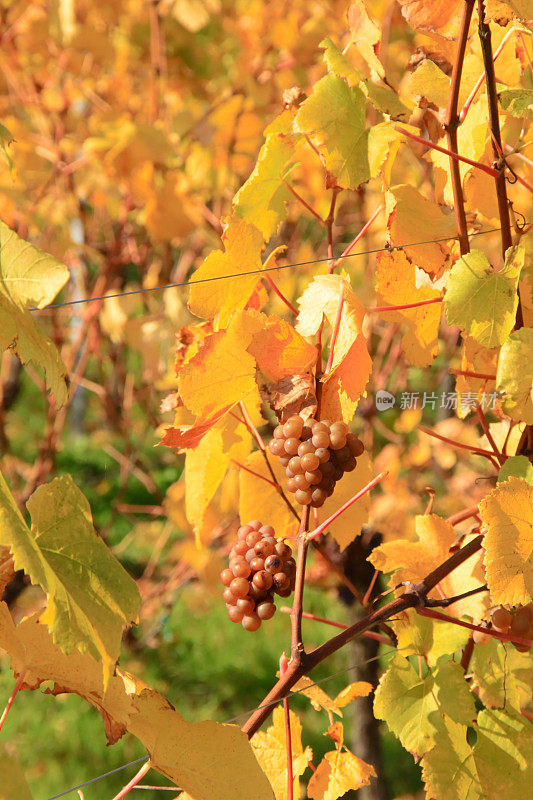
(519, 623)
(315, 455)
(259, 567)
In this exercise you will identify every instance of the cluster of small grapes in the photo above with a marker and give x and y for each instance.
(259, 567)
(517, 623)
(315, 455)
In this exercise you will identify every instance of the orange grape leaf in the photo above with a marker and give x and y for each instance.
(90, 595)
(336, 732)
(260, 500)
(353, 690)
(438, 16)
(318, 697)
(171, 211)
(507, 514)
(243, 244)
(397, 285)
(412, 219)
(345, 384)
(413, 560)
(207, 759)
(280, 351)
(271, 751)
(338, 772)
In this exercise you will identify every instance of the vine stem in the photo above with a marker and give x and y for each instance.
(479, 451)
(254, 473)
(414, 597)
(304, 203)
(451, 125)
(16, 689)
(381, 309)
(378, 637)
(322, 527)
(454, 156)
(486, 431)
(297, 647)
(504, 637)
(283, 663)
(468, 374)
(466, 513)
(468, 102)
(494, 123)
(281, 295)
(134, 781)
(359, 236)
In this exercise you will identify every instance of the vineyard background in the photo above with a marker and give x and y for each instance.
(129, 128)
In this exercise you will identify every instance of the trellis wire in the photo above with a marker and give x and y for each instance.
(242, 714)
(388, 249)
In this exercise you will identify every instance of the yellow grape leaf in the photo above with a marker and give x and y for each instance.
(429, 81)
(479, 197)
(90, 595)
(397, 285)
(413, 560)
(348, 526)
(260, 500)
(221, 374)
(412, 219)
(414, 708)
(514, 378)
(507, 514)
(261, 200)
(482, 301)
(30, 278)
(280, 350)
(13, 783)
(318, 697)
(337, 62)
(352, 691)
(271, 751)
(338, 772)
(431, 638)
(206, 465)
(501, 676)
(366, 36)
(475, 358)
(516, 467)
(451, 756)
(207, 759)
(243, 244)
(439, 16)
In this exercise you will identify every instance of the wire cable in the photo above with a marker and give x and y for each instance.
(388, 249)
(242, 714)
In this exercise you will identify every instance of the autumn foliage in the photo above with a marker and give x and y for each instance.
(293, 244)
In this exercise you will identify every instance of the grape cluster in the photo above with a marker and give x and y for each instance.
(259, 567)
(519, 623)
(315, 455)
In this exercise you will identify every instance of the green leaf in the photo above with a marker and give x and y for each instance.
(449, 770)
(30, 278)
(504, 754)
(413, 708)
(482, 301)
(261, 200)
(426, 637)
(501, 675)
(514, 376)
(334, 117)
(90, 595)
(5, 140)
(517, 102)
(337, 63)
(516, 467)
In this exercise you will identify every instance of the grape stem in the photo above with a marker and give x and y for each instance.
(304, 203)
(16, 689)
(322, 527)
(494, 173)
(297, 647)
(483, 422)
(468, 374)
(283, 663)
(504, 637)
(378, 637)
(382, 309)
(134, 781)
(281, 295)
(359, 236)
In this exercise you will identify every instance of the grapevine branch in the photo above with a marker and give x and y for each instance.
(414, 597)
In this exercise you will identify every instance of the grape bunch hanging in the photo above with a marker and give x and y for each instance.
(315, 454)
(260, 566)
